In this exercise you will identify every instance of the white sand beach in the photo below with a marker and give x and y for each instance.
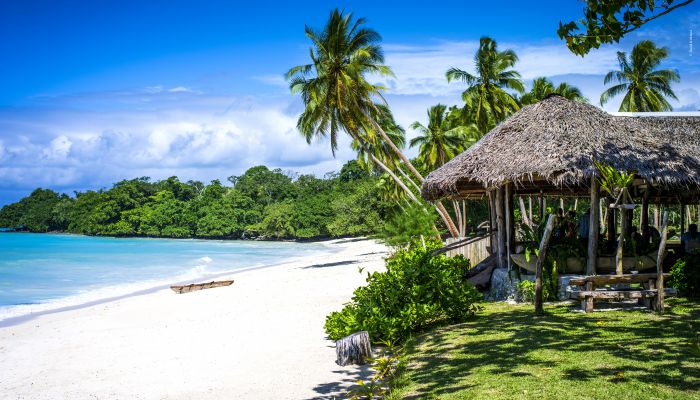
(261, 338)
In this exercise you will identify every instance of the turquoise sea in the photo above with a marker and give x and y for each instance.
(45, 272)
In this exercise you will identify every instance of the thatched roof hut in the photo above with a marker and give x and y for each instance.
(550, 147)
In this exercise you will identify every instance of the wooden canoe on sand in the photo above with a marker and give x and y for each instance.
(199, 286)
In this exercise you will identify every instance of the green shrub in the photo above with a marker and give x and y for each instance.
(416, 291)
(525, 291)
(685, 276)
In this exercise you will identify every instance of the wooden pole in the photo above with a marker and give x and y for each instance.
(529, 204)
(682, 219)
(612, 227)
(523, 211)
(543, 207)
(539, 310)
(492, 222)
(500, 227)
(660, 265)
(561, 203)
(509, 222)
(620, 243)
(593, 227)
(656, 216)
(644, 219)
(511, 215)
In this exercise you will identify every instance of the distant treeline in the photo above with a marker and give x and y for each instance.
(261, 203)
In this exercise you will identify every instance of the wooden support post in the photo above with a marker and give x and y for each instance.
(543, 207)
(587, 303)
(511, 215)
(660, 265)
(561, 204)
(593, 227)
(682, 219)
(612, 228)
(523, 211)
(492, 222)
(620, 243)
(629, 214)
(500, 227)
(509, 222)
(544, 244)
(529, 204)
(656, 217)
(644, 219)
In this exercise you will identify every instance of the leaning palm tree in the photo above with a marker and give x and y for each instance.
(442, 139)
(446, 135)
(336, 94)
(543, 87)
(645, 87)
(487, 94)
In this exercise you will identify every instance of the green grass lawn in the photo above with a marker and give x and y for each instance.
(508, 353)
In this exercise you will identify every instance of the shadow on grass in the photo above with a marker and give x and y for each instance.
(636, 346)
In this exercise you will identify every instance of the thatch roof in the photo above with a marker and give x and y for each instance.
(556, 141)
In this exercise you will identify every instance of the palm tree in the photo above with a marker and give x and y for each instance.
(337, 96)
(487, 93)
(645, 87)
(443, 138)
(542, 87)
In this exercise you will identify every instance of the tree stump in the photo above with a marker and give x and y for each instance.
(353, 349)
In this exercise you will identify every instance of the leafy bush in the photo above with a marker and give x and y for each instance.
(407, 227)
(416, 291)
(525, 291)
(685, 275)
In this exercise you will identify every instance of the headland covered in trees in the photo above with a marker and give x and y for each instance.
(260, 204)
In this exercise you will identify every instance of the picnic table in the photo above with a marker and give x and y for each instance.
(594, 287)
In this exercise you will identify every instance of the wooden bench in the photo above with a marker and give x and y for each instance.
(589, 294)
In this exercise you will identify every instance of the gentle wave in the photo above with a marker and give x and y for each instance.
(215, 259)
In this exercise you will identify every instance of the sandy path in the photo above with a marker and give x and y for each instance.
(261, 338)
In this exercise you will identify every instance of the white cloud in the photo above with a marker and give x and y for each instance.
(420, 70)
(180, 89)
(203, 137)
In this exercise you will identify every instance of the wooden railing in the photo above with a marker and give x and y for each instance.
(475, 248)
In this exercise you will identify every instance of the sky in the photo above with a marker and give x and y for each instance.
(95, 92)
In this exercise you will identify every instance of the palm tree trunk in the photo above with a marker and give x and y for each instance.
(408, 178)
(394, 148)
(395, 178)
(445, 215)
(441, 209)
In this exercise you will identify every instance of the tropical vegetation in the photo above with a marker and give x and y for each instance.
(644, 86)
(606, 21)
(488, 95)
(338, 97)
(261, 203)
(416, 291)
(543, 87)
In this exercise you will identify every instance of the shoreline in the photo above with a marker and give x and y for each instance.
(26, 317)
(319, 239)
(260, 338)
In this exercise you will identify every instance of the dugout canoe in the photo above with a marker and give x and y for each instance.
(199, 286)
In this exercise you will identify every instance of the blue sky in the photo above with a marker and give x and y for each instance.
(93, 92)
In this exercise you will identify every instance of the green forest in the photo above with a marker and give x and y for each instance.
(261, 203)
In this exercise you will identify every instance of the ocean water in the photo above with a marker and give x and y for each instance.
(44, 272)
